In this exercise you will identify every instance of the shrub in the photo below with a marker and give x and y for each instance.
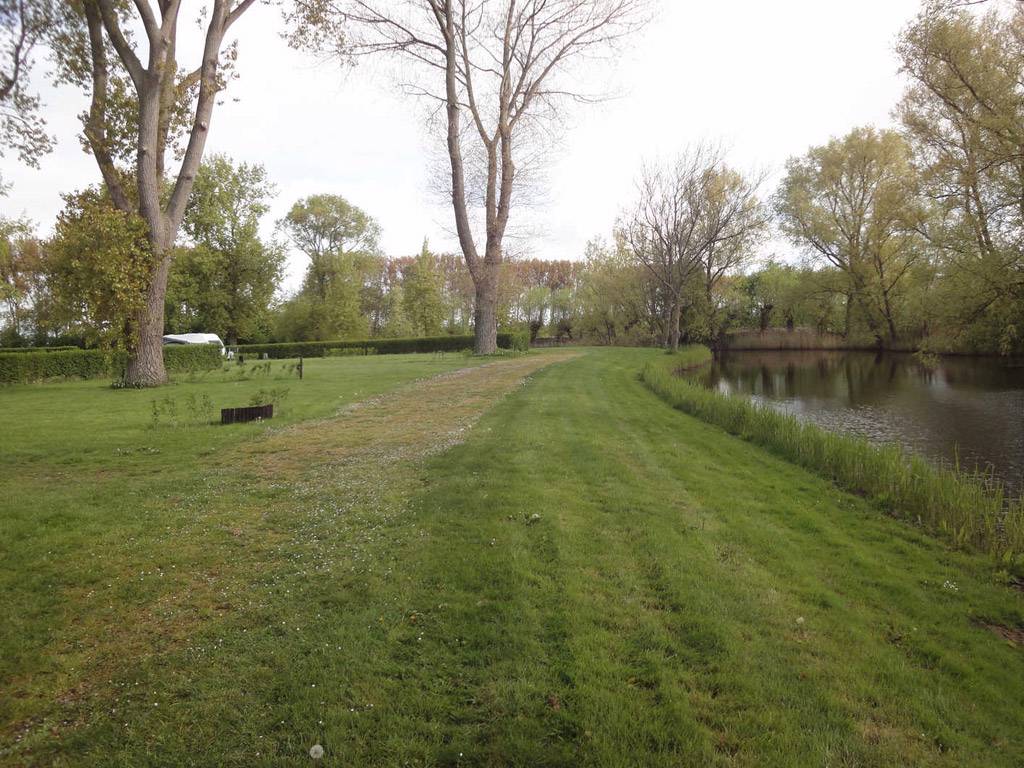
(18, 367)
(274, 397)
(519, 341)
(968, 510)
(381, 346)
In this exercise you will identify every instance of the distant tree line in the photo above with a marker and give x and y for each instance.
(226, 277)
(909, 237)
(905, 237)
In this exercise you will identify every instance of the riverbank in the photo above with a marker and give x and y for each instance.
(543, 566)
(808, 339)
(962, 508)
(956, 411)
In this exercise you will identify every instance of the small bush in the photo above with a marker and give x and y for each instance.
(379, 346)
(166, 408)
(967, 510)
(519, 341)
(275, 397)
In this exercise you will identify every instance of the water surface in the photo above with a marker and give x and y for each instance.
(966, 409)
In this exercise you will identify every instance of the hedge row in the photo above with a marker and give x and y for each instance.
(382, 346)
(5, 350)
(67, 364)
(192, 358)
(16, 367)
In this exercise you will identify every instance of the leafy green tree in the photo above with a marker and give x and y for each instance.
(536, 301)
(397, 323)
(855, 204)
(784, 295)
(20, 268)
(342, 244)
(964, 114)
(564, 312)
(324, 228)
(226, 281)
(143, 107)
(612, 297)
(422, 294)
(98, 267)
(23, 26)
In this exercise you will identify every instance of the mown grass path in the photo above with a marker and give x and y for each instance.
(580, 576)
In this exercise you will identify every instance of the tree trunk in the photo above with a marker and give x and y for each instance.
(145, 366)
(674, 325)
(890, 323)
(666, 325)
(485, 313)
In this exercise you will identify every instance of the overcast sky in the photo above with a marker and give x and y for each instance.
(766, 79)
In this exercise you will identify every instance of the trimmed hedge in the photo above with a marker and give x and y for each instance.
(17, 367)
(67, 364)
(382, 346)
(5, 350)
(192, 358)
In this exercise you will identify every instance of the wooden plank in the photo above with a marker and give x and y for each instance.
(250, 413)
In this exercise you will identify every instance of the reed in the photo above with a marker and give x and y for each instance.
(779, 338)
(969, 510)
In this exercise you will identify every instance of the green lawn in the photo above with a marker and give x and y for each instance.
(467, 571)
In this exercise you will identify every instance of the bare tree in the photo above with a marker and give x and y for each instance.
(499, 70)
(692, 216)
(140, 104)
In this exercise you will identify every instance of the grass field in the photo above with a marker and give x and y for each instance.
(534, 562)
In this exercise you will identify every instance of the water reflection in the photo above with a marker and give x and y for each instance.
(971, 408)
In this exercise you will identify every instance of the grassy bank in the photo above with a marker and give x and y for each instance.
(967, 510)
(515, 565)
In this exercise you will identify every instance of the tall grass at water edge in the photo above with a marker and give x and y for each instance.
(970, 510)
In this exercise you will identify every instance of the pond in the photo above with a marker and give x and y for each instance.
(966, 409)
